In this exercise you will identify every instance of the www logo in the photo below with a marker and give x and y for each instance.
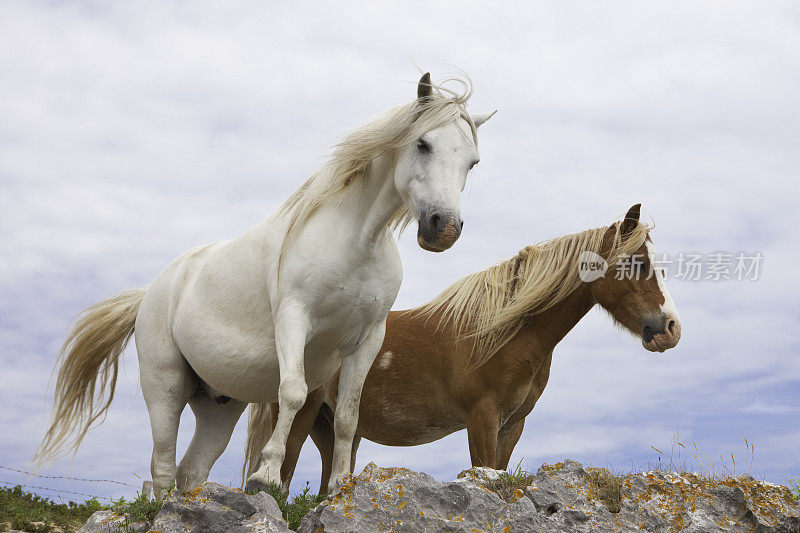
(591, 266)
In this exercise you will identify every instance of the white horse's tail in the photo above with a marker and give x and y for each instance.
(88, 373)
(259, 430)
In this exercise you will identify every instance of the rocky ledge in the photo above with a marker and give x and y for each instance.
(211, 508)
(565, 497)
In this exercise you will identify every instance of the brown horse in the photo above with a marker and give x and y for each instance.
(478, 356)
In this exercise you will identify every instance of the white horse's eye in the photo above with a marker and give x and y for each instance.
(423, 146)
(473, 164)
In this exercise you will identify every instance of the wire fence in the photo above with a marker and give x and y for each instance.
(68, 477)
(61, 491)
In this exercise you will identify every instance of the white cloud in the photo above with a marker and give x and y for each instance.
(764, 408)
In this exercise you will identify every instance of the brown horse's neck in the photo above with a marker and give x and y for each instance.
(546, 329)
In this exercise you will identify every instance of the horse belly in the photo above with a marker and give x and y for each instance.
(387, 421)
(242, 364)
(244, 369)
(412, 434)
(230, 347)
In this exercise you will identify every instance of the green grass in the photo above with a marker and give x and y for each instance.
(33, 513)
(794, 486)
(508, 482)
(293, 511)
(142, 509)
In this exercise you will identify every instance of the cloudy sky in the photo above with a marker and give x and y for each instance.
(130, 132)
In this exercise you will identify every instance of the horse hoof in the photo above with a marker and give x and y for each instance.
(255, 485)
(339, 482)
(258, 482)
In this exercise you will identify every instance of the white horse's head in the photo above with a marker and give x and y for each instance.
(431, 171)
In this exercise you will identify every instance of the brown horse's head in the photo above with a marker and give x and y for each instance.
(634, 292)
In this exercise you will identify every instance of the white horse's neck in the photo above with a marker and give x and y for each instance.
(372, 203)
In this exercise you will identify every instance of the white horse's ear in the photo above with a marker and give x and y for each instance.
(424, 87)
(480, 118)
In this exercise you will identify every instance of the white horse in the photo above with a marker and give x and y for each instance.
(274, 312)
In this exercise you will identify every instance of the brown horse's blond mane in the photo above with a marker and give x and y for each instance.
(490, 306)
(351, 157)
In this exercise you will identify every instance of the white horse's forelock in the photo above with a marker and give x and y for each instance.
(351, 157)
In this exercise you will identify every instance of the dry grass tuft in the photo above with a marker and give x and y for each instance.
(688, 459)
(606, 487)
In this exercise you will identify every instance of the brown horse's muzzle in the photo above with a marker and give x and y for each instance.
(437, 231)
(661, 332)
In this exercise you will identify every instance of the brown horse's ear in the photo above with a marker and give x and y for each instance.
(630, 222)
(424, 87)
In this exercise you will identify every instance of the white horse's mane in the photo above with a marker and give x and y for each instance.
(350, 158)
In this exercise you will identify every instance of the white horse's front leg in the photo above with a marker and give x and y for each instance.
(291, 333)
(351, 380)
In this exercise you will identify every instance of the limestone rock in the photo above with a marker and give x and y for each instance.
(565, 497)
(387, 499)
(211, 508)
(112, 522)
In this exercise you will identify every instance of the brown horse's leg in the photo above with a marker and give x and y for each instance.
(301, 426)
(482, 427)
(323, 437)
(356, 442)
(507, 438)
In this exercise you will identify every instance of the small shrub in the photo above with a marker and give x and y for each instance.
(24, 524)
(300, 506)
(143, 509)
(293, 511)
(794, 485)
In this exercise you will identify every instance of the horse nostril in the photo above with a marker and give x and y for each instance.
(462, 225)
(671, 326)
(435, 221)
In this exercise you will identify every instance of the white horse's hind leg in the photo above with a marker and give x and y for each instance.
(214, 425)
(291, 332)
(351, 381)
(167, 383)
